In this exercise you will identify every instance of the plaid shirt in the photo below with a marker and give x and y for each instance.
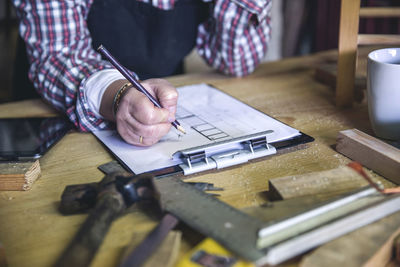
(59, 47)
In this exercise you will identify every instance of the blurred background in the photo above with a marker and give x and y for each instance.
(299, 27)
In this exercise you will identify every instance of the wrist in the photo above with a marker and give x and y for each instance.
(109, 107)
(117, 97)
(95, 86)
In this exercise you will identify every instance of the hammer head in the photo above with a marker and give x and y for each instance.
(133, 188)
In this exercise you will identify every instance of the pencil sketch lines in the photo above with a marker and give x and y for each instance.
(200, 125)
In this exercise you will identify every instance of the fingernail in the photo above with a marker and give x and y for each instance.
(171, 119)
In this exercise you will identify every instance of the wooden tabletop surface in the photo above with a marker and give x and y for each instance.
(34, 233)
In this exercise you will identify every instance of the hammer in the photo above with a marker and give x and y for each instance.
(108, 199)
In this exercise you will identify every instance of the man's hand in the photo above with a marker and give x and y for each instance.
(138, 121)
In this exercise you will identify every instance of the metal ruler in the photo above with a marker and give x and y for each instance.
(232, 228)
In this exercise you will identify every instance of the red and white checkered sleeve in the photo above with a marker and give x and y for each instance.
(61, 55)
(235, 39)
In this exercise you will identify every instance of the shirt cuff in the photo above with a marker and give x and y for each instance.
(95, 86)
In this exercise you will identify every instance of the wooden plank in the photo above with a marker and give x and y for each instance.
(378, 39)
(348, 32)
(18, 176)
(371, 152)
(368, 246)
(330, 182)
(379, 12)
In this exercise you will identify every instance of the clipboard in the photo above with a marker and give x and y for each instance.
(222, 132)
(202, 164)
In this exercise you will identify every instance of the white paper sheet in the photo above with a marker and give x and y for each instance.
(208, 116)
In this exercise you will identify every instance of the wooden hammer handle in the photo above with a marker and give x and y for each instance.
(83, 247)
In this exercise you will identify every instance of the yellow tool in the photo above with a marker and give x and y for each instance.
(210, 253)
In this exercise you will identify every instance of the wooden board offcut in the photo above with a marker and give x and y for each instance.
(327, 183)
(371, 152)
(18, 176)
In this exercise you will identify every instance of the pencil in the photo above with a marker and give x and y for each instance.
(135, 82)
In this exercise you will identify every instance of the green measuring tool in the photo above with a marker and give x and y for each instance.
(232, 228)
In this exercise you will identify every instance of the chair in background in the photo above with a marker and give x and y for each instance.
(349, 39)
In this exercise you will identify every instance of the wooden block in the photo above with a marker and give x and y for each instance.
(330, 182)
(371, 152)
(18, 176)
(371, 245)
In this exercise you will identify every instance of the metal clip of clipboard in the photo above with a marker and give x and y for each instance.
(225, 153)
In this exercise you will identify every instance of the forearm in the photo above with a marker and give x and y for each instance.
(60, 54)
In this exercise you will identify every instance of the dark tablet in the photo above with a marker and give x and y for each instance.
(30, 138)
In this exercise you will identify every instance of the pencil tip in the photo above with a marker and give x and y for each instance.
(181, 129)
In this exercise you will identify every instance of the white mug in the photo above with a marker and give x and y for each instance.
(383, 89)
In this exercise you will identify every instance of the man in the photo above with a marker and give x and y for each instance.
(149, 37)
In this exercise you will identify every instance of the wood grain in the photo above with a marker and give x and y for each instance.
(379, 12)
(348, 32)
(18, 175)
(329, 183)
(371, 152)
(378, 39)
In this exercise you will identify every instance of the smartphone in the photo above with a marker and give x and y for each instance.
(30, 138)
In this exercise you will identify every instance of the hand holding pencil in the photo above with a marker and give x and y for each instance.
(143, 112)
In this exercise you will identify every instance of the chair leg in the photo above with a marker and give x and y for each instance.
(347, 58)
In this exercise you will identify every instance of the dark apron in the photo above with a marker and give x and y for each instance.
(147, 40)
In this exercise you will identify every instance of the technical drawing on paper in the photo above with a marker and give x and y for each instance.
(206, 129)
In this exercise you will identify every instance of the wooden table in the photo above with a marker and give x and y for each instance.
(34, 233)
